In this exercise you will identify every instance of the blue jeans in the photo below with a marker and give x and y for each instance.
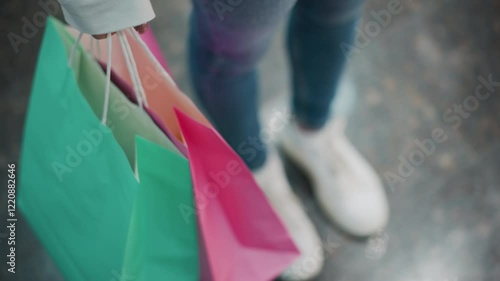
(229, 37)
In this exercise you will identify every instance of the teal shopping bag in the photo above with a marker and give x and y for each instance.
(77, 184)
(162, 243)
(77, 187)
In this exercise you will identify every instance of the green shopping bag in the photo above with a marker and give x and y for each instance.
(164, 176)
(77, 186)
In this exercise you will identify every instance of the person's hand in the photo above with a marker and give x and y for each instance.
(140, 28)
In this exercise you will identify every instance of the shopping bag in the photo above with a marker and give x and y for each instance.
(161, 244)
(158, 245)
(124, 117)
(243, 238)
(77, 188)
(129, 93)
(260, 250)
(161, 91)
(239, 243)
(162, 94)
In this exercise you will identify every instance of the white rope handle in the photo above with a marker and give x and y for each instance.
(136, 71)
(108, 81)
(132, 67)
(108, 71)
(73, 51)
(129, 60)
(151, 56)
(129, 67)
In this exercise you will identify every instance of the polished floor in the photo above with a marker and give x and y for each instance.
(415, 82)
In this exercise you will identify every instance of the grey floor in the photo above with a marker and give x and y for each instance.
(445, 221)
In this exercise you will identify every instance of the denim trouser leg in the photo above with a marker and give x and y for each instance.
(315, 32)
(229, 37)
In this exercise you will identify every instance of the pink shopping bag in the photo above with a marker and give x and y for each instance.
(243, 238)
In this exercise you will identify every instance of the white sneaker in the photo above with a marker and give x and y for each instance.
(345, 185)
(272, 179)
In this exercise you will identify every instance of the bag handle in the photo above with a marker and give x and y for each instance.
(131, 66)
(163, 72)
